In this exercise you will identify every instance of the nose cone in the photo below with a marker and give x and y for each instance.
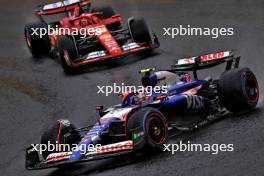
(116, 51)
(109, 42)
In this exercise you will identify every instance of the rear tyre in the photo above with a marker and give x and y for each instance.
(238, 90)
(108, 12)
(148, 129)
(38, 45)
(65, 43)
(140, 31)
(63, 132)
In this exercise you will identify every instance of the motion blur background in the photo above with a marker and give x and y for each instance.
(36, 92)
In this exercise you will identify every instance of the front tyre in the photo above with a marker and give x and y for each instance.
(62, 132)
(148, 128)
(38, 45)
(140, 31)
(238, 90)
(65, 43)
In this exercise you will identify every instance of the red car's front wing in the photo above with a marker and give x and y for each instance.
(84, 61)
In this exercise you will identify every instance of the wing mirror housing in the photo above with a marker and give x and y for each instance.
(100, 108)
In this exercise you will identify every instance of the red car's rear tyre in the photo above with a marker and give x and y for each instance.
(38, 45)
(238, 90)
(148, 129)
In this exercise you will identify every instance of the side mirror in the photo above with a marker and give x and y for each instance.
(99, 107)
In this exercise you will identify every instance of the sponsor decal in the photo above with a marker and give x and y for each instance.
(69, 2)
(137, 135)
(101, 28)
(96, 54)
(186, 61)
(60, 4)
(204, 58)
(214, 56)
(53, 6)
(126, 145)
(58, 156)
(115, 147)
(194, 101)
(118, 113)
(193, 90)
(130, 46)
(106, 36)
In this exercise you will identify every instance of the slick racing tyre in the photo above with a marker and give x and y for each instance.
(38, 45)
(107, 12)
(140, 31)
(65, 43)
(148, 129)
(238, 90)
(63, 132)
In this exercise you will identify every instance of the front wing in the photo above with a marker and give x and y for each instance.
(34, 161)
(101, 55)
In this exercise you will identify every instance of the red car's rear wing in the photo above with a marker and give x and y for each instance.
(60, 7)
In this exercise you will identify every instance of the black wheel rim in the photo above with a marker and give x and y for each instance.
(251, 87)
(156, 130)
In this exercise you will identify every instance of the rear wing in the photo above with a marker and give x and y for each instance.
(60, 7)
(207, 61)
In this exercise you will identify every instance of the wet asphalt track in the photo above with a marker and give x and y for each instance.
(34, 93)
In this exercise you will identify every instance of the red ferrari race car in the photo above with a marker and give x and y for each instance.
(104, 35)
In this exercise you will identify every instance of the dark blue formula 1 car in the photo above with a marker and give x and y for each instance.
(143, 121)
